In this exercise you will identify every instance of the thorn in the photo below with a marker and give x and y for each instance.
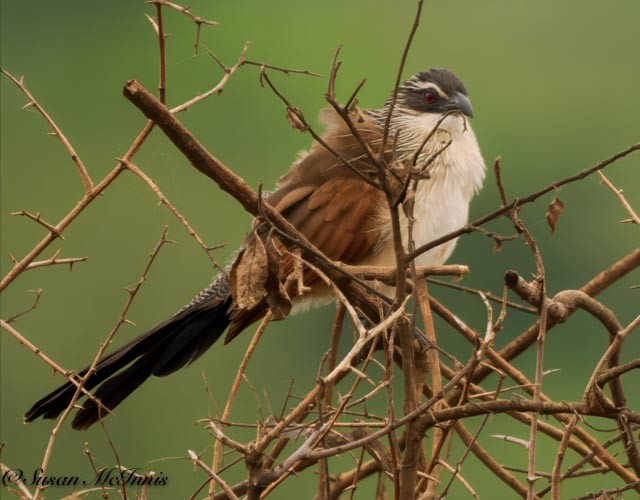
(28, 105)
(549, 372)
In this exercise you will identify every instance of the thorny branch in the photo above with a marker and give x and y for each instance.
(328, 421)
(56, 132)
(215, 169)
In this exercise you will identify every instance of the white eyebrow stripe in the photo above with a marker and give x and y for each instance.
(433, 86)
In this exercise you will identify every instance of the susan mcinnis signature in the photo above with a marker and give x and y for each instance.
(113, 476)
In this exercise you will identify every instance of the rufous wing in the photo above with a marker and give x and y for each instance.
(334, 208)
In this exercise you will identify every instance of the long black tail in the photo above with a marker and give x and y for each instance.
(164, 349)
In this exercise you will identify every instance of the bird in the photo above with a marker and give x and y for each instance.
(326, 196)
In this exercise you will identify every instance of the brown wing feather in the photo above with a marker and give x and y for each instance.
(329, 204)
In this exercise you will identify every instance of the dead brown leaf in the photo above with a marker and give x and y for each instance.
(294, 117)
(554, 211)
(249, 274)
(277, 296)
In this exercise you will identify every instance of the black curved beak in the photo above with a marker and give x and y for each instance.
(462, 103)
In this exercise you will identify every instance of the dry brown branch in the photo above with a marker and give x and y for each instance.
(615, 372)
(198, 21)
(573, 470)
(35, 304)
(611, 492)
(89, 456)
(38, 219)
(132, 292)
(84, 175)
(69, 375)
(388, 274)
(89, 196)
(543, 305)
(303, 124)
(248, 200)
(12, 478)
(329, 420)
(474, 291)
(560, 307)
(596, 285)
(407, 476)
(184, 10)
(556, 479)
(403, 60)
(209, 165)
(422, 297)
(349, 480)
(482, 455)
(623, 201)
(228, 73)
(549, 430)
(518, 202)
(214, 477)
(53, 261)
(502, 364)
(159, 28)
(181, 218)
(457, 475)
(19, 267)
(286, 71)
(232, 394)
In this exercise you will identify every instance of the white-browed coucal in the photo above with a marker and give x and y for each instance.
(344, 216)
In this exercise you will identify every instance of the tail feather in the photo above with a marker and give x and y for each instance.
(112, 392)
(196, 337)
(164, 349)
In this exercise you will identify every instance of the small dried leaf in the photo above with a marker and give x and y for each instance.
(294, 117)
(277, 296)
(554, 211)
(249, 274)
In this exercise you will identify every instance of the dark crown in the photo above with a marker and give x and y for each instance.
(446, 80)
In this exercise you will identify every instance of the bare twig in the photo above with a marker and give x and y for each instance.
(198, 21)
(164, 200)
(84, 175)
(623, 201)
(38, 293)
(518, 202)
(80, 386)
(219, 87)
(38, 218)
(214, 477)
(233, 391)
(87, 452)
(13, 477)
(69, 375)
(54, 261)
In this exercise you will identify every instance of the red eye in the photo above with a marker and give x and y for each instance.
(430, 97)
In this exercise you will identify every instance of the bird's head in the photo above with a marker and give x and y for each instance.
(437, 91)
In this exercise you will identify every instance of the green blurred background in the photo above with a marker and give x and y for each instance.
(554, 87)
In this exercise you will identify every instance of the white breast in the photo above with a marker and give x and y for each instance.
(441, 202)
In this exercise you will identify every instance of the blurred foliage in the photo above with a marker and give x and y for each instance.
(554, 88)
